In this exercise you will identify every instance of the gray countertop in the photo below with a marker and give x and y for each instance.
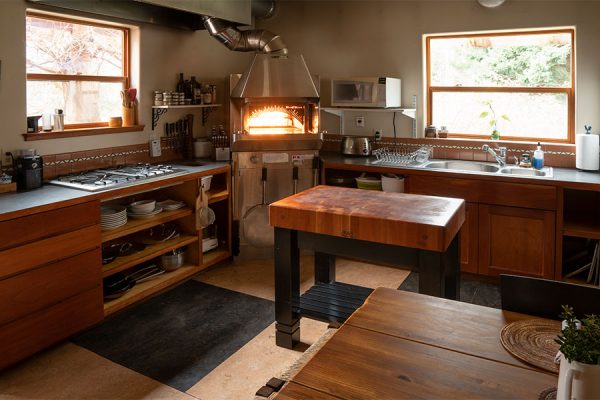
(51, 194)
(564, 177)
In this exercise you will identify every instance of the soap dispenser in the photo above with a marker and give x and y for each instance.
(538, 157)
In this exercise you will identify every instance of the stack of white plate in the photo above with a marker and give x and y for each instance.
(143, 214)
(112, 216)
(170, 205)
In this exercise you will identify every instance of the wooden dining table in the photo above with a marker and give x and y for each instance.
(403, 345)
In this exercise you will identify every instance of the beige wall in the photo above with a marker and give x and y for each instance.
(163, 53)
(384, 38)
(337, 39)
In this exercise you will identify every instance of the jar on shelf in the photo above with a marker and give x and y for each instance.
(430, 131)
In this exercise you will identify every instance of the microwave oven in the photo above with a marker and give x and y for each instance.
(365, 92)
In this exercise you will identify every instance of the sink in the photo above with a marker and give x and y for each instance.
(526, 171)
(463, 166)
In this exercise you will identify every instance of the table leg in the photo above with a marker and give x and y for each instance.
(324, 268)
(439, 273)
(287, 288)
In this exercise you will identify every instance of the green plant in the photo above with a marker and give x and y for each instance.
(493, 119)
(583, 344)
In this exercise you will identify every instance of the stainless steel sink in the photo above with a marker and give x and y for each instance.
(546, 172)
(480, 167)
(463, 166)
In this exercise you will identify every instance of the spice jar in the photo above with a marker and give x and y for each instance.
(430, 131)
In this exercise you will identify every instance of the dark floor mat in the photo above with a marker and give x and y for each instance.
(180, 336)
(471, 291)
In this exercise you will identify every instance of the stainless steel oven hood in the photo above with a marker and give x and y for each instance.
(276, 77)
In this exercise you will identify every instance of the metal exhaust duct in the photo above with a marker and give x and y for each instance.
(273, 73)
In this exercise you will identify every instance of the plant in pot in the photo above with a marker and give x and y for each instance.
(493, 119)
(579, 375)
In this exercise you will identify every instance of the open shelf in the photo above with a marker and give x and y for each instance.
(583, 226)
(148, 288)
(150, 252)
(409, 112)
(214, 256)
(136, 225)
(579, 281)
(217, 195)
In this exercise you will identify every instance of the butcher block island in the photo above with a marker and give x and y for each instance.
(411, 231)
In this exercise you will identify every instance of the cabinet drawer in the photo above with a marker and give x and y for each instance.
(486, 192)
(27, 229)
(42, 287)
(24, 337)
(45, 251)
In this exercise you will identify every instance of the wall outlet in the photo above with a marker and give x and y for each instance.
(359, 122)
(155, 150)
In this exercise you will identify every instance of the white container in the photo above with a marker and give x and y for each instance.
(587, 152)
(205, 182)
(392, 183)
(577, 380)
(202, 149)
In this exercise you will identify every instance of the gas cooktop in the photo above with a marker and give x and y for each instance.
(109, 178)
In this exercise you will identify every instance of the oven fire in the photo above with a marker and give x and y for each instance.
(276, 119)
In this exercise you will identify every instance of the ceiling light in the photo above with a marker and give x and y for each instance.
(490, 3)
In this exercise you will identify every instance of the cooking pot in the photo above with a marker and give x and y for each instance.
(356, 146)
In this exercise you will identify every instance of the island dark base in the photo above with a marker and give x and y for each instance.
(330, 301)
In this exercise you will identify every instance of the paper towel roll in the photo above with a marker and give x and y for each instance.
(587, 152)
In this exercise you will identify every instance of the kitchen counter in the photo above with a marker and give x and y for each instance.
(16, 204)
(562, 177)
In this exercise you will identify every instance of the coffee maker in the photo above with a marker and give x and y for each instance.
(28, 170)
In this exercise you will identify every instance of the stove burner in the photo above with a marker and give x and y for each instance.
(106, 178)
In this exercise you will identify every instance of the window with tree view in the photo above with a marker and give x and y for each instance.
(517, 85)
(75, 66)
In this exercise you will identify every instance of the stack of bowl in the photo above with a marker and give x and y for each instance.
(143, 209)
(112, 216)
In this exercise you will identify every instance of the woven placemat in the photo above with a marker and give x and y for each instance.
(532, 341)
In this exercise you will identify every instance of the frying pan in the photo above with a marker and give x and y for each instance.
(257, 230)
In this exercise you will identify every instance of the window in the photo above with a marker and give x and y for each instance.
(76, 66)
(520, 84)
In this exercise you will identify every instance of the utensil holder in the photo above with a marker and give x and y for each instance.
(129, 116)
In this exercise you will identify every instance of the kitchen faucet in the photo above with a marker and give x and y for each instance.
(500, 156)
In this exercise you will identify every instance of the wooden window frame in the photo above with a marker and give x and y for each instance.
(125, 79)
(569, 91)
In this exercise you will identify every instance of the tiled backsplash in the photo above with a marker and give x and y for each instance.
(70, 163)
(556, 155)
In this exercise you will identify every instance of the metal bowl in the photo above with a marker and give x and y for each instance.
(172, 260)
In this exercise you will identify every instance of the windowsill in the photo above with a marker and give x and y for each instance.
(81, 132)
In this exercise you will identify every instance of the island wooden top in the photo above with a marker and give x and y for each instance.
(402, 345)
(409, 220)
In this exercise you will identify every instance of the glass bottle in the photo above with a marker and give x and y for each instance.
(180, 84)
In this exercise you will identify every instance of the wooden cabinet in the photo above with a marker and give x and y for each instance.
(50, 277)
(469, 234)
(516, 240)
(510, 227)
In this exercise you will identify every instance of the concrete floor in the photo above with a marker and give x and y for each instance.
(68, 371)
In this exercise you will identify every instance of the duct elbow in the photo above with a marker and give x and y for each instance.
(258, 40)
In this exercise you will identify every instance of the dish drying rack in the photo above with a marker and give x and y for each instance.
(399, 156)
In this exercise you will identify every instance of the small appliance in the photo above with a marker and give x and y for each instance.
(356, 146)
(366, 92)
(29, 171)
(32, 123)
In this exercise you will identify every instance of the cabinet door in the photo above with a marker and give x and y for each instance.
(468, 240)
(516, 240)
